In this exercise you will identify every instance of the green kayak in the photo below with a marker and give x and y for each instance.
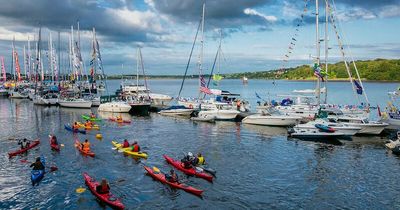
(86, 117)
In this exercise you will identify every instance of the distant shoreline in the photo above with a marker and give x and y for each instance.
(159, 77)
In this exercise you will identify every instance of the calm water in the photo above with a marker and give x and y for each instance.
(258, 167)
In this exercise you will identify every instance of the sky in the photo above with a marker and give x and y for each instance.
(256, 34)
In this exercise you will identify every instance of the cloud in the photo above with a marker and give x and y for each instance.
(268, 18)
(218, 13)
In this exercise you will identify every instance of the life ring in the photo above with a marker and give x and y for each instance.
(190, 106)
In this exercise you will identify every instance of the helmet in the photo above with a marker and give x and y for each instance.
(190, 154)
(38, 159)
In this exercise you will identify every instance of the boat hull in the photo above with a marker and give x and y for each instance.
(271, 120)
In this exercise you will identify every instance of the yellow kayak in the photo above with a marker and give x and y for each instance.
(95, 127)
(128, 150)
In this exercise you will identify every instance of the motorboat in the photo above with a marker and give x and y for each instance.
(75, 103)
(115, 106)
(18, 92)
(272, 118)
(367, 127)
(176, 111)
(341, 128)
(313, 134)
(203, 117)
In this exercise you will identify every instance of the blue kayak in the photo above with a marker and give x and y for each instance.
(37, 175)
(69, 128)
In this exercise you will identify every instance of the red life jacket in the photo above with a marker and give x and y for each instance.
(135, 148)
(105, 189)
(125, 145)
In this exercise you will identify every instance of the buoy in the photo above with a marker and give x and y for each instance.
(99, 136)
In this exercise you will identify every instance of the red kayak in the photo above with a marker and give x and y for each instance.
(107, 198)
(161, 177)
(119, 121)
(191, 171)
(78, 145)
(55, 147)
(31, 145)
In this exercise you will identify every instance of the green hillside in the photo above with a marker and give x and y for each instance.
(377, 70)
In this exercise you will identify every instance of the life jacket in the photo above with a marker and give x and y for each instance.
(105, 188)
(135, 148)
(88, 124)
(75, 126)
(201, 160)
(125, 145)
(86, 146)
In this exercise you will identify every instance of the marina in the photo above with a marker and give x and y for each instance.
(86, 122)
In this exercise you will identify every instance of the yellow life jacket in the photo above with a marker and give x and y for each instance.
(201, 160)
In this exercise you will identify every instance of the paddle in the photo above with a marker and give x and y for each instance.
(80, 190)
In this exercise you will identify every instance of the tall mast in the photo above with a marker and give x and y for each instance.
(24, 61)
(13, 59)
(51, 57)
(137, 70)
(29, 60)
(326, 49)
(59, 55)
(317, 39)
(202, 47)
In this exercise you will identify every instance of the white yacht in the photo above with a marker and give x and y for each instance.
(341, 128)
(18, 92)
(176, 111)
(115, 106)
(312, 134)
(221, 111)
(75, 103)
(271, 118)
(367, 127)
(156, 99)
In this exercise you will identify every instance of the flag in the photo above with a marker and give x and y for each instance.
(358, 87)
(317, 71)
(203, 87)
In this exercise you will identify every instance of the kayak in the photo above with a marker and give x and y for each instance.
(69, 128)
(128, 150)
(37, 175)
(78, 145)
(86, 117)
(95, 127)
(107, 198)
(191, 171)
(119, 121)
(31, 145)
(161, 177)
(55, 147)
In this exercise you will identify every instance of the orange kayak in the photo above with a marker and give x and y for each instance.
(78, 145)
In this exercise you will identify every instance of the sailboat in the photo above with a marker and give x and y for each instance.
(133, 93)
(3, 90)
(73, 98)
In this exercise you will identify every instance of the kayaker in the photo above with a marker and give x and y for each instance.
(38, 165)
(86, 146)
(119, 118)
(172, 176)
(24, 143)
(199, 160)
(53, 140)
(88, 123)
(103, 187)
(125, 144)
(187, 160)
(75, 126)
(92, 115)
(135, 147)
